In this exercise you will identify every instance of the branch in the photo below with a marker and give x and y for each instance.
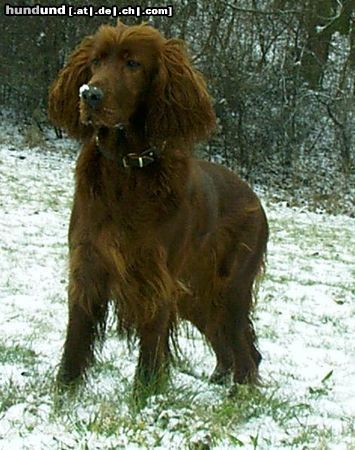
(343, 10)
(330, 112)
(260, 11)
(334, 118)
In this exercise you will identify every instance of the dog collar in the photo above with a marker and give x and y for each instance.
(140, 160)
(137, 160)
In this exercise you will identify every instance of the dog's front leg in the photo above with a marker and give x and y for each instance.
(88, 299)
(152, 369)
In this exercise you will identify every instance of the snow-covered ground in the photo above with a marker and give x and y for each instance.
(304, 319)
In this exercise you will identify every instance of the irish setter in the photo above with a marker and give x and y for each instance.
(160, 234)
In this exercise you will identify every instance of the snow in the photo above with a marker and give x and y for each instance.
(83, 88)
(304, 319)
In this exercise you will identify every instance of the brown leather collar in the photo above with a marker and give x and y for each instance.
(141, 160)
(138, 160)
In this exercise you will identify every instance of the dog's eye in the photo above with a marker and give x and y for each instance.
(132, 64)
(95, 62)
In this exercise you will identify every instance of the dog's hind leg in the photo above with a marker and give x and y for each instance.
(240, 334)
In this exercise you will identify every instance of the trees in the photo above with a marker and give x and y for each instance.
(281, 73)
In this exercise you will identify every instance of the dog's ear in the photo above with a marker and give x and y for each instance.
(178, 105)
(63, 105)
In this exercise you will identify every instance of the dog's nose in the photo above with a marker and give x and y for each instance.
(92, 96)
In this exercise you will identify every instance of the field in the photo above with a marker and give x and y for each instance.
(304, 319)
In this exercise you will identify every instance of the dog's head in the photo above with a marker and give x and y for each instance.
(125, 75)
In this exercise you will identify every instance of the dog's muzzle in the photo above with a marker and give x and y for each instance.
(91, 95)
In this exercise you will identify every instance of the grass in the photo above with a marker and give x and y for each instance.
(189, 417)
(16, 353)
(180, 411)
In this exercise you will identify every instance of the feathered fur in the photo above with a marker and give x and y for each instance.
(179, 238)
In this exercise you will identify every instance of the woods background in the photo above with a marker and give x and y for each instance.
(281, 74)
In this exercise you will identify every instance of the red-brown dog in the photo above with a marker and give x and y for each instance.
(161, 234)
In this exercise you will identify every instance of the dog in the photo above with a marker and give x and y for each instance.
(161, 235)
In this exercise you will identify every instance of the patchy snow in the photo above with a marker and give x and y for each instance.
(304, 319)
(83, 88)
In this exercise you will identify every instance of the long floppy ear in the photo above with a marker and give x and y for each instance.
(179, 106)
(63, 106)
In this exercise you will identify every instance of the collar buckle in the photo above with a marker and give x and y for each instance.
(137, 160)
(140, 160)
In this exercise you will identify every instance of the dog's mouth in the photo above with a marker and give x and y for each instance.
(98, 118)
(104, 132)
(96, 111)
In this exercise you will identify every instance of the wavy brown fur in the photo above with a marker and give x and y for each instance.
(180, 238)
(63, 106)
